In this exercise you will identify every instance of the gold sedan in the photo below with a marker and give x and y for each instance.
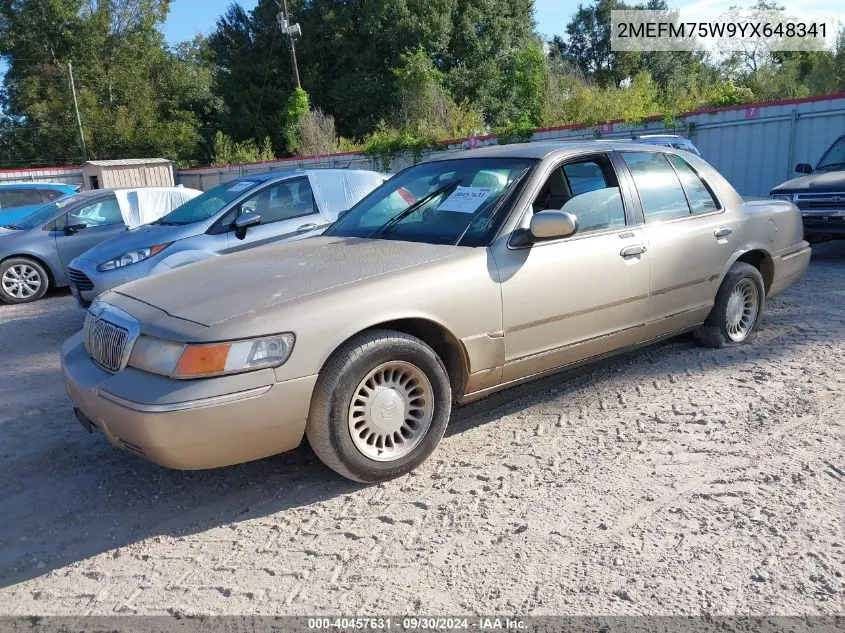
(456, 278)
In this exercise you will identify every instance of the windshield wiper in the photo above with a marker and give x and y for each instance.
(14, 227)
(830, 165)
(384, 228)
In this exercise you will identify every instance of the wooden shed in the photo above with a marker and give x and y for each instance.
(131, 172)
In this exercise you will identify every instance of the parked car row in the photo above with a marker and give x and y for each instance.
(20, 199)
(455, 278)
(96, 240)
(36, 249)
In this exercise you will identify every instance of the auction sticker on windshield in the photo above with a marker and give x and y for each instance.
(465, 199)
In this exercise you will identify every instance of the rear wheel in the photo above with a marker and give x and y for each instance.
(738, 309)
(380, 406)
(22, 280)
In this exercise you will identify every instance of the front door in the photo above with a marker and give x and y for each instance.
(690, 235)
(86, 226)
(287, 210)
(570, 299)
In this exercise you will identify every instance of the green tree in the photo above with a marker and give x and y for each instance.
(133, 97)
(347, 54)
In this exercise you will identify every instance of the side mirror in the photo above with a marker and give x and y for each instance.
(551, 224)
(342, 213)
(804, 168)
(243, 222)
(70, 229)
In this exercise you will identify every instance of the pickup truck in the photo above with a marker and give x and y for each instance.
(819, 194)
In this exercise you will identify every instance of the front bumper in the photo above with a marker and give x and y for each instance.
(188, 425)
(830, 225)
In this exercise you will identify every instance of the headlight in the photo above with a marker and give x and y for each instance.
(214, 359)
(132, 257)
(782, 196)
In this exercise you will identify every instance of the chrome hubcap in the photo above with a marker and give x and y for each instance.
(743, 306)
(391, 411)
(21, 281)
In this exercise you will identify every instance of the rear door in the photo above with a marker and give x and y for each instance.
(287, 209)
(87, 225)
(690, 235)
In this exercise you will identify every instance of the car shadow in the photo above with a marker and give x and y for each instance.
(69, 496)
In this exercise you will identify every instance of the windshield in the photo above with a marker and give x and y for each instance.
(207, 205)
(442, 202)
(46, 213)
(834, 157)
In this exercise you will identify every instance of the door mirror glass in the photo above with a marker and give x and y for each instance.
(551, 224)
(804, 168)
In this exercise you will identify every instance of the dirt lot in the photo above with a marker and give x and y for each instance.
(675, 481)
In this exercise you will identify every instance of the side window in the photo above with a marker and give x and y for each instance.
(48, 195)
(589, 190)
(698, 195)
(100, 213)
(658, 186)
(284, 201)
(19, 197)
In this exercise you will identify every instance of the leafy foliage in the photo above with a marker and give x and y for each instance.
(228, 152)
(397, 75)
(136, 97)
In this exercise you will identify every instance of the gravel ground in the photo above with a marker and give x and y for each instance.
(677, 480)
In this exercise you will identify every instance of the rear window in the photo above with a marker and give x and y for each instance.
(657, 184)
(10, 198)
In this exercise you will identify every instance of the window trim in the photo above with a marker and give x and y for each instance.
(578, 158)
(701, 180)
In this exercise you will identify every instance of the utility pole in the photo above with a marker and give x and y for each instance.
(292, 31)
(76, 109)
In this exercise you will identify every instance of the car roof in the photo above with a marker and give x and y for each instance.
(36, 185)
(264, 176)
(543, 149)
(270, 175)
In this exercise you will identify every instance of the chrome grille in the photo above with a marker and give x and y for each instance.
(105, 342)
(820, 200)
(80, 279)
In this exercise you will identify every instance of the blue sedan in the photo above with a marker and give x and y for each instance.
(17, 200)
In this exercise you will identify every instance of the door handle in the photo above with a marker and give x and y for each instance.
(722, 232)
(306, 227)
(630, 251)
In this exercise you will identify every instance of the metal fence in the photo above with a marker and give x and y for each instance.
(755, 147)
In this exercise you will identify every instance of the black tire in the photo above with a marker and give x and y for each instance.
(714, 332)
(7, 291)
(328, 429)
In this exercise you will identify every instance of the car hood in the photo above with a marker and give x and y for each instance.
(222, 288)
(816, 183)
(139, 237)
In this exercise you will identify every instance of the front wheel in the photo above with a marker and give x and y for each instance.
(22, 280)
(380, 406)
(737, 311)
